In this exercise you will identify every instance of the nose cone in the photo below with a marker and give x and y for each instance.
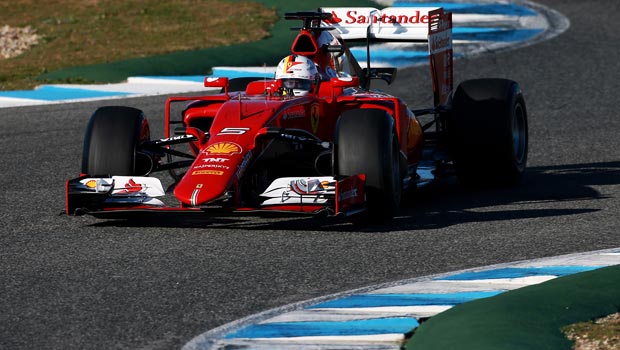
(199, 194)
(212, 174)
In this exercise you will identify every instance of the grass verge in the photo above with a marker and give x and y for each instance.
(267, 51)
(77, 33)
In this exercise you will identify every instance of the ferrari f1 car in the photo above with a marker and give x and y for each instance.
(328, 145)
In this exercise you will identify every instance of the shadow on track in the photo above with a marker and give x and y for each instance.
(447, 203)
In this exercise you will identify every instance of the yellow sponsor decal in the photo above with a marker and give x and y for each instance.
(207, 172)
(223, 148)
(287, 64)
(314, 117)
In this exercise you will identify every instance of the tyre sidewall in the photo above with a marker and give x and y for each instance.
(366, 143)
(481, 132)
(112, 140)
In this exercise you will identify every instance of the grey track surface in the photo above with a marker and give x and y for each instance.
(80, 283)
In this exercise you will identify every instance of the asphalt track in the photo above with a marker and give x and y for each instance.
(80, 283)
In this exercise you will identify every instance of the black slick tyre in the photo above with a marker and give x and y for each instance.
(366, 143)
(488, 132)
(112, 141)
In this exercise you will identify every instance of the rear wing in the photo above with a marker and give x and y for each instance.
(402, 24)
(392, 23)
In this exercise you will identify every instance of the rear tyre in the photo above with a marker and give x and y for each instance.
(488, 132)
(366, 143)
(112, 141)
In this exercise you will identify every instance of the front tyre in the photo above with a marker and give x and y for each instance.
(111, 144)
(488, 132)
(366, 143)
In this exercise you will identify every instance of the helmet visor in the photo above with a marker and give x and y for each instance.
(297, 84)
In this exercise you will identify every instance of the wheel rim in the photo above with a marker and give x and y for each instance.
(519, 134)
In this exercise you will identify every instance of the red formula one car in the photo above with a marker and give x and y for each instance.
(316, 138)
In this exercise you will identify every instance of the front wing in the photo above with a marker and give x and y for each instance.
(127, 197)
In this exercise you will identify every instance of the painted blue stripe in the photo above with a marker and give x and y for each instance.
(494, 34)
(379, 300)
(396, 58)
(190, 78)
(233, 73)
(400, 61)
(217, 72)
(307, 329)
(487, 34)
(54, 93)
(513, 272)
(469, 8)
(389, 54)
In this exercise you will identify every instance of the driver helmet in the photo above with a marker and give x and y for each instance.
(297, 74)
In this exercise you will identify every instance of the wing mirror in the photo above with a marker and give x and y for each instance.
(217, 83)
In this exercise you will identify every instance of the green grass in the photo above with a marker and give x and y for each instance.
(86, 32)
(266, 51)
(106, 41)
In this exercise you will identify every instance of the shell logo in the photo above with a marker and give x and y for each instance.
(228, 148)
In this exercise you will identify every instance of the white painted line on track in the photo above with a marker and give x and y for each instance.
(144, 86)
(465, 286)
(375, 342)
(335, 314)
(16, 102)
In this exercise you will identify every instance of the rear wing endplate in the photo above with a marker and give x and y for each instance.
(440, 55)
(402, 24)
